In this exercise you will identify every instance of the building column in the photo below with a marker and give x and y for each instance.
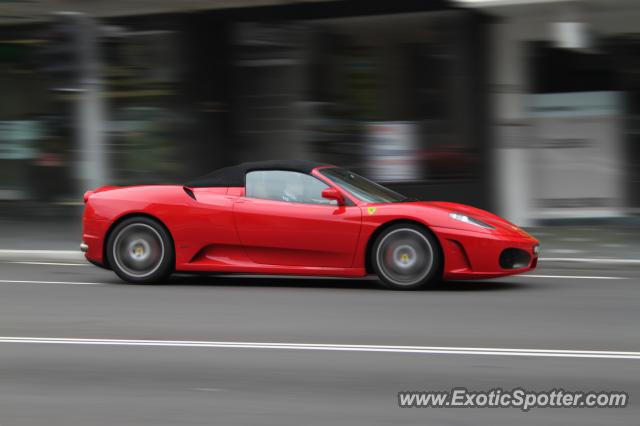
(90, 112)
(511, 178)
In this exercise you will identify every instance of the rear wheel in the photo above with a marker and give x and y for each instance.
(406, 257)
(140, 250)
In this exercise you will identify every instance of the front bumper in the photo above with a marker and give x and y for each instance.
(475, 255)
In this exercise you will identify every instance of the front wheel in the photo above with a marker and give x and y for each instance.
(140, 250)
(406, 257)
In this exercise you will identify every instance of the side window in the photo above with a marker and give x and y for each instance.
(279, 185)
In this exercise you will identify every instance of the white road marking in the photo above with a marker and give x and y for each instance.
(580, 277)
(590, 260)
(50, 263)
(559, 353)
(48, 282)
(586, 277)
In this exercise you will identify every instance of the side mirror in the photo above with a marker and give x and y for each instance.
(333, 194)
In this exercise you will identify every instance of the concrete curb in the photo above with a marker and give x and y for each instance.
(73, 256)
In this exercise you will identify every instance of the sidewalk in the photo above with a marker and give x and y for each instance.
(610, 242)
(42, 234)
(48, 239)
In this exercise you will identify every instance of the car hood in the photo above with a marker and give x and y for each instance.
(501, 225)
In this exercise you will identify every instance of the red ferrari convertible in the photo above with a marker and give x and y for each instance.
(296, 218)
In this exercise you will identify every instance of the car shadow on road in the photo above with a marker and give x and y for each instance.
(369, 283)
(480, 286)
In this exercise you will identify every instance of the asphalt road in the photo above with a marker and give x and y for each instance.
(111, 383)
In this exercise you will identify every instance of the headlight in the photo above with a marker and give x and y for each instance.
(471, 220)
(536, 249)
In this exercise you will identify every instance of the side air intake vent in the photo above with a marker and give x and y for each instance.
(189, 192)
(513, 258)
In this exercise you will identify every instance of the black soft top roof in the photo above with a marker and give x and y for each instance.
(234, 175)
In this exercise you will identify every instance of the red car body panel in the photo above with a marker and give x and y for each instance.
(220, 230)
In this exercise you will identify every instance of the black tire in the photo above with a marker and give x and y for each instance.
(140, 250)
(406, 257)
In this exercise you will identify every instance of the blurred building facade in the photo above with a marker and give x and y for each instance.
(437, 100)
(390, 89)
(564, 89)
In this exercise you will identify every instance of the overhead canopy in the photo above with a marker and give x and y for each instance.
(234, 175)
(26, 11)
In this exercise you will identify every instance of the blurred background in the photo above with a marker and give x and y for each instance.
(523, 107)
(527, 108)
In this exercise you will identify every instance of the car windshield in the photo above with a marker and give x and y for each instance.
(362, 188)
